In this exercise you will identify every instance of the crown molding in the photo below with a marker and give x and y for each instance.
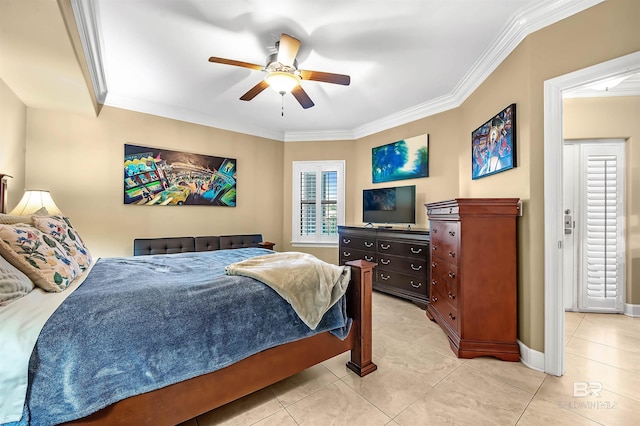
(86, 15)
(319, 135)
(188, 116)
(525, 22)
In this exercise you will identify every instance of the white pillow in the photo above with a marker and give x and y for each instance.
(13, 283)
(8, 219)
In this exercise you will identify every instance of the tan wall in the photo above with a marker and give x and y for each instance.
(13, 128)
(79, 159)
(615, 117)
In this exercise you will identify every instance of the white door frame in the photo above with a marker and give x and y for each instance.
(553, 218)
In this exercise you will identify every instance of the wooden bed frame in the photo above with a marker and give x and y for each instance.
(3, 191)
(185, 400)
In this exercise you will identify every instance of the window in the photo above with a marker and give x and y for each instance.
(318, 202)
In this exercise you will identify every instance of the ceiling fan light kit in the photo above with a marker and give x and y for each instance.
(283, 74)
(282, 82)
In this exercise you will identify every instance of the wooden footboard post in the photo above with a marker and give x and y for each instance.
(360, 309)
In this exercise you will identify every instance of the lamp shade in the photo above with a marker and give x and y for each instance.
(34, 200)
(282, 82)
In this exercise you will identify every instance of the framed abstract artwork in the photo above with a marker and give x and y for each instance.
(154, 176)
(403, 159)
(493, 144)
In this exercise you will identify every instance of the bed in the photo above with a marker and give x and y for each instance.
(179, 399)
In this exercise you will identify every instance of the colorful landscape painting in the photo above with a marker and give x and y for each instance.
(404, 159)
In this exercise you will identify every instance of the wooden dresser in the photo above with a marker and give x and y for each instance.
(402, 256)
(474, 275)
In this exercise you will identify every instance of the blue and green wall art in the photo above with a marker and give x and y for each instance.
(403, 159)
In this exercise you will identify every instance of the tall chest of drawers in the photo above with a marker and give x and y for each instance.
(402, 257)
(474, 275)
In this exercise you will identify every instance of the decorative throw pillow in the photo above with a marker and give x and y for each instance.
(59, 227)
(8, 219)
(38, 256)
(13, 283)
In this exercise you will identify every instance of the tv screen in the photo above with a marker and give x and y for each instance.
(389, 205)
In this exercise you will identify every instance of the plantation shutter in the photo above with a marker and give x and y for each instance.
(308, 203)
(603, 242)
(318, 201)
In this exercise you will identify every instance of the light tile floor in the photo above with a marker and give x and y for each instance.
(419, 381)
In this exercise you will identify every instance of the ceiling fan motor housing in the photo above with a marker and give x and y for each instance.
(274, 66)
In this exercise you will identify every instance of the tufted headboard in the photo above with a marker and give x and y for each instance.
(240, 241)
(145, 246)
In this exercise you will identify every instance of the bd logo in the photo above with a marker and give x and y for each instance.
(583, 389)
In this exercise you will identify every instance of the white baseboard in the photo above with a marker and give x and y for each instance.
(531, 358)
(632, 310)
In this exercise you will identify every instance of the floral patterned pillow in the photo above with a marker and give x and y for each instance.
(59, 227)
(39, 256)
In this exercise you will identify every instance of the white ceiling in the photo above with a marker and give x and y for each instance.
(407, 59)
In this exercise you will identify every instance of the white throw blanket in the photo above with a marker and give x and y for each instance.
(309, 284)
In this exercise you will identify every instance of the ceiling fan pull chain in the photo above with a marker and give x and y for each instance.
(282, 100)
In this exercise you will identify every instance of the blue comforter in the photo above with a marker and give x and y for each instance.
(141, 323)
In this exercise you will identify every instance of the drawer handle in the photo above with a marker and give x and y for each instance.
(414, 251)
(346, 253)
(435, 230)
(416, 268)
(415, 286)
(453, 317)
(451, 275)
(434, 299)
(452, 254)
(383, 247)
(385, 262)
(368, 258)
(385, 277)
(434, 282)
(434, 264)
(435, 247)
(367, 244)
(452, 296)
(346, 240)
(452, 233)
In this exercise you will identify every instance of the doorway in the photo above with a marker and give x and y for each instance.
(593, 223)
(553, 197)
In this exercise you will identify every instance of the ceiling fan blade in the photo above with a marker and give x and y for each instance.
(236, 63)
(325, 77)
(253, 92)
(302, 97)
(287, 49)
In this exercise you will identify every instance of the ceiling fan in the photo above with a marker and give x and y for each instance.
(283, 74)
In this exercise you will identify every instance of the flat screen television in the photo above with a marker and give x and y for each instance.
(395, 205)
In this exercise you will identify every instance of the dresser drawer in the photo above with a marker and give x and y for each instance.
(444, 287)
(403, 248)
(347, 254)
(445, 240)
(409, 266)
(445, 269)
(357, 243)
(440, 302)
(407, 283)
